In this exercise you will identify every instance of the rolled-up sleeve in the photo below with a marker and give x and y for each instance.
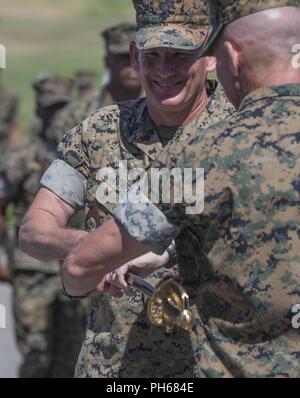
(65, 182)
(67, 176)
(146, 223)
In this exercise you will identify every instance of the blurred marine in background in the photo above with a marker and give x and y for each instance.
(9, 135)
(49, 328)
(123, 82)
(85, 83)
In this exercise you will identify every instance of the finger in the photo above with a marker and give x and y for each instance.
(121, 281)
(117, 280)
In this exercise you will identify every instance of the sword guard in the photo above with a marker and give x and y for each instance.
(169, 307)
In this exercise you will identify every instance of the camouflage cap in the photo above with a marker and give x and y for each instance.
(180, 24)
(85, 78)
(117, 38)
(52, 90)
(222, 12)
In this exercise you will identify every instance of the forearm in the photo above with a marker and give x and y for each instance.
(98, 254)
(43, 238)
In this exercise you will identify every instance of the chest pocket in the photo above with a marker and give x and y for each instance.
(109, 182)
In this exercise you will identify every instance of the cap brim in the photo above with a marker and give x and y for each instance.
(183, 37)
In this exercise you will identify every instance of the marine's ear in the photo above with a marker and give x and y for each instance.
(233, 58)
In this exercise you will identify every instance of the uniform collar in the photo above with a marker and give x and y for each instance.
(287, 90)
(143, 133)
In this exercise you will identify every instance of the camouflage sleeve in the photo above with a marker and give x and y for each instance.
(145, 222)
(75, 146)
(67, 176)
(157, 224)
(65, 182)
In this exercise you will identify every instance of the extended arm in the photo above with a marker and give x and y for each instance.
(102, 251)
(111, 245)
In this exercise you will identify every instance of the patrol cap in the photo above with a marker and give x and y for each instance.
(223, 12)
(117, 38)
(53, 90)
(85, 78)
(179, 24)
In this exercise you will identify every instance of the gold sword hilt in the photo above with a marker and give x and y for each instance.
(168, 305)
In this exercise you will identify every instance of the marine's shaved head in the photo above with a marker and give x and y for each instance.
(267, 36)
(262, 43)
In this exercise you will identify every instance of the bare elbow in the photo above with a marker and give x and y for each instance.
(29, 243)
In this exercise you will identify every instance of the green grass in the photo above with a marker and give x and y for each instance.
(57, 36)
(121, 7)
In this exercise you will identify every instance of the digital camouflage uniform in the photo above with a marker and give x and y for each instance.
(49, 327)
(122, 132)
(239, 258)
(8, 115)
(117, 40)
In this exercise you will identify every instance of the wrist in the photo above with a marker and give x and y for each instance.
(74, 295)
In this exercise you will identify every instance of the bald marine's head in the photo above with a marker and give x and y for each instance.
(256, 51)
